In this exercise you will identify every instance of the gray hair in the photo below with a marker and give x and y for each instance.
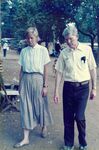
(32, 30)
(70, 30)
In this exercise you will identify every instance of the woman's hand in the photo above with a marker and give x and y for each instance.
(56, 98)
(44, 91)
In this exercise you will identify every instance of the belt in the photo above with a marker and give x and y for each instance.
(77, 84)
(28, 72)
(24, 72)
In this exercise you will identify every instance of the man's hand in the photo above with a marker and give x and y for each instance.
(93, 94)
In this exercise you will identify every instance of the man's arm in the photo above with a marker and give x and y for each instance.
(57, 85)
(93, 81)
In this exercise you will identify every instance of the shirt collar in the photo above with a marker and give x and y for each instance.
(79, 47)
(34, 46)
(68, 49)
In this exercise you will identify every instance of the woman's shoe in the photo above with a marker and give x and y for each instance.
(19, 145)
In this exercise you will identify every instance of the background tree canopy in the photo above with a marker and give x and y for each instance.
(50, 16)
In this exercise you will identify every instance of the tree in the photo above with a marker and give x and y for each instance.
(46, 14)
(59, 11)
(87, 20)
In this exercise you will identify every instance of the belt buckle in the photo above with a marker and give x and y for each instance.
(77, 84)
(85, 82)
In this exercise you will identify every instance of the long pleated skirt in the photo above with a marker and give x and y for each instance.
(34, 108)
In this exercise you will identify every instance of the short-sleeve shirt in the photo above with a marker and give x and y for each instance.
(75, 65)
(33, 59)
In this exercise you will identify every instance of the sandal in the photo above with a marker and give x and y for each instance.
(19, 145)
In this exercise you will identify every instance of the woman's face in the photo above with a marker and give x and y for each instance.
(31, 39)
(72, 41)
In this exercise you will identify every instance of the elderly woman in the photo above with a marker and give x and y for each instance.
(34, 106)
(77, 65)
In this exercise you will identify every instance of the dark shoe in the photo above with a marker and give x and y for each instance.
(19, 145)
(67, 148)
(83, 148)
(44, 133)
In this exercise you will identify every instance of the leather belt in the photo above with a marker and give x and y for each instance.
(24, 72)
(77, 84)
(27, 72)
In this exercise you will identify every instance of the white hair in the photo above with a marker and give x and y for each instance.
(70, 29)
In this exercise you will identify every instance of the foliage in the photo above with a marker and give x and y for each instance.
(46, 14)
(87, 17)
(40, 12)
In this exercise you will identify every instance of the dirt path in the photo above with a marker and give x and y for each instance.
(10, 130)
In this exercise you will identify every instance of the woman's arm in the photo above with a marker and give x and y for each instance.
(45, 80)
(20, 74)
(20, 77)
(45, 77)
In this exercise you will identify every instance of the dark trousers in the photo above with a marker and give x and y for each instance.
(74, 105)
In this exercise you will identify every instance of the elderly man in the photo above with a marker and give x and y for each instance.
(77, 65)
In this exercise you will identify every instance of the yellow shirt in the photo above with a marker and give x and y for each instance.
(75, 65)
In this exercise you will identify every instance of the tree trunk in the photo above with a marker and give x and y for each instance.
(92, 46)
(91, 36)
(92, 42)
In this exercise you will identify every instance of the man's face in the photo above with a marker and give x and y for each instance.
(72, 41)
(31, 39)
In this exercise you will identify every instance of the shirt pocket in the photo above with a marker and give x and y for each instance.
(82, 63)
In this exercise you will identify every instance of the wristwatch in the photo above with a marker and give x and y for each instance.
(45, 85)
